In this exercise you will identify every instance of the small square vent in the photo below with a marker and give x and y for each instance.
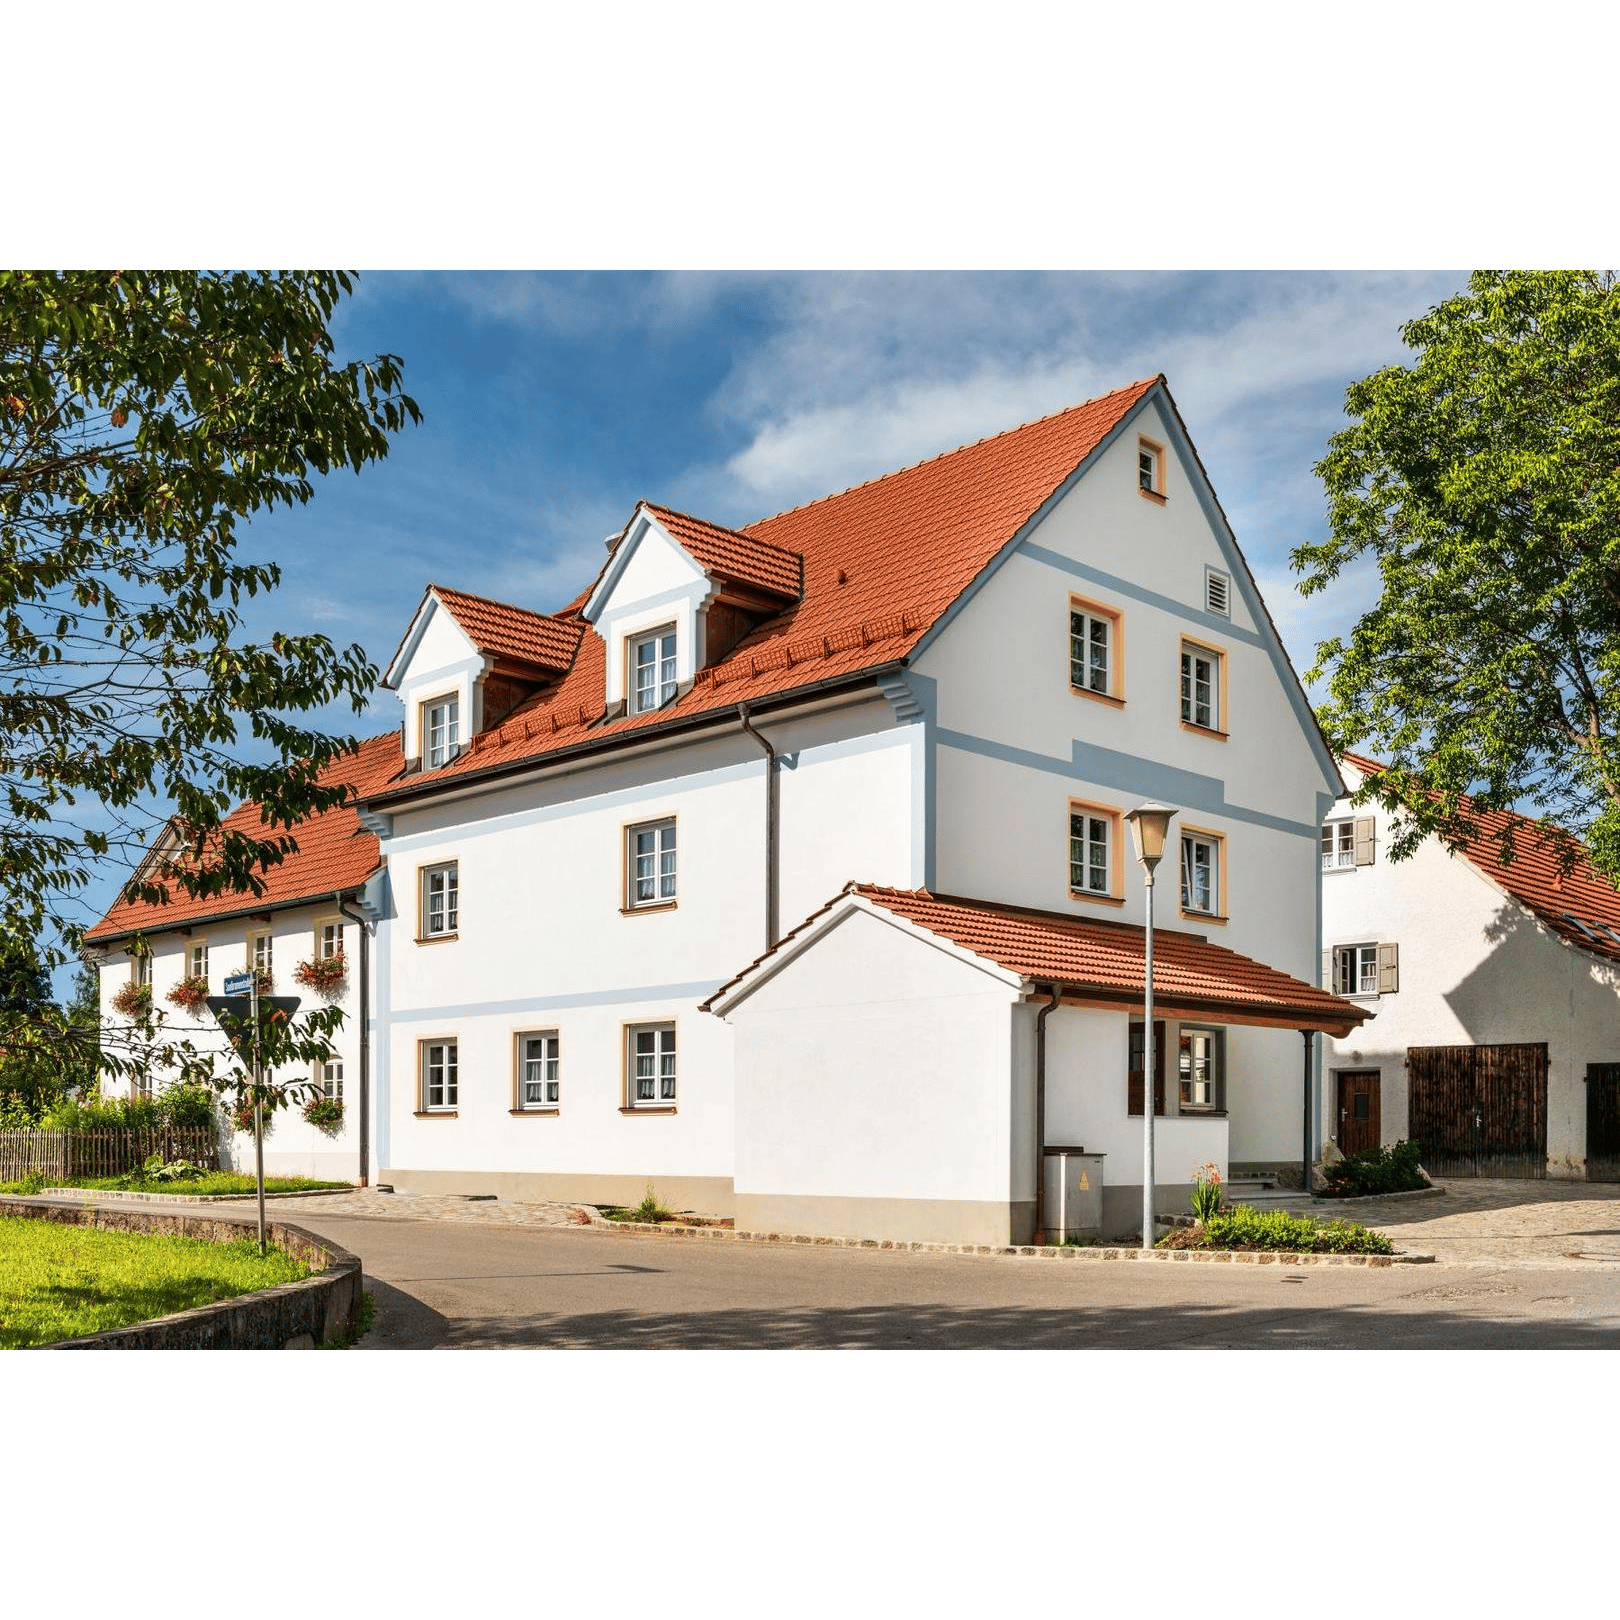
(1217, 588)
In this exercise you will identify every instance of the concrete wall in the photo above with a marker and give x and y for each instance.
(1475, 969)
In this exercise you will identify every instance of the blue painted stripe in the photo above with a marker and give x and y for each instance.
(1116, 586)
(631, 995)
(1127, 773)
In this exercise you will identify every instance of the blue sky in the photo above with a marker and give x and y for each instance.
(552, 402)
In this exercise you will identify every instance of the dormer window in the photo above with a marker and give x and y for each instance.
(441, 731)
(652, 669)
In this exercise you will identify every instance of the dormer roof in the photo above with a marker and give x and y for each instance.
(734, 556)
(544, 643)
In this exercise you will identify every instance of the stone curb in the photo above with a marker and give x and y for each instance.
(1366, 1198)
(65, 1195)
(1259, 1257)
(292, 1316)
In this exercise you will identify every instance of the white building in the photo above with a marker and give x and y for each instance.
(945, 688)
(1496, 988)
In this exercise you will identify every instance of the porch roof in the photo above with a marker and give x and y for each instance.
(1099, 964)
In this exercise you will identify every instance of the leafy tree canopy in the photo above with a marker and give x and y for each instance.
(142, 417)
(1484, 481)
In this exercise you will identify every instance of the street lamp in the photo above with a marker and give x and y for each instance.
(1150, 826)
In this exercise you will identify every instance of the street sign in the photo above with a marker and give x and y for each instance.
(238, 984)
(272, 1009)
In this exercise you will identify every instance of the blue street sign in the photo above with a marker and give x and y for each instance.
(238, 984)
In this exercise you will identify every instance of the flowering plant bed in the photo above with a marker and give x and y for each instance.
(133, 1000)
(325, 1114)
(1245, 1228)
(325, 975)
(190, 993)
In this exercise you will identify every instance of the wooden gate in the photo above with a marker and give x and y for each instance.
(1603, 1122)
(1480, 1110)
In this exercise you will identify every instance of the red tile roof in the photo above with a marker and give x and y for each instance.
(882, 562)
(741, 557)
(1533, 876)
(547, 639)
(1103, 961)
(335, 853)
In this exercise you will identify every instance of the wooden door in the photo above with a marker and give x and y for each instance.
(1359, 1123)
(1603, 1122)
(1480, 1110)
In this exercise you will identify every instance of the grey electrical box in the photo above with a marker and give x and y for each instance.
(1074, 1195)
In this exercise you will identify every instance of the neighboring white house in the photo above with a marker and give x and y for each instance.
(1496, 989)
(947, 686)
(313, 907)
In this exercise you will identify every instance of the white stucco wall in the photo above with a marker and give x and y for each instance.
(655, 583)
(441, 663)
(1475, 969)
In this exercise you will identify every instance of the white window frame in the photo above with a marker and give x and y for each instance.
(440, 889)
(197, 959)
(1338, 845)
(541, 1071)
(1150, 468)
(651, 864)
(1085, 846)
(1355, 969)
(1213, 1083)
(660, 686)
(650, 1064)
(331, 1083)
(140, 968)
(1192, 839)
(261, 952)
(328, 939)
(446, 730)
(1194, 654)
(1085, 619)
(447, 1067)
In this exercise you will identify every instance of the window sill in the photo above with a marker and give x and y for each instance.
(435, 1113)
(1151, 495)
(1193, 1111)
(1203, 917)
(1097, 899)
(436, 939)
(534, 1113)
(649, 1108)
(1203, 731)
(641, 911)
(1098, 697)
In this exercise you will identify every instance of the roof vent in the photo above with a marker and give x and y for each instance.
(1217, 588)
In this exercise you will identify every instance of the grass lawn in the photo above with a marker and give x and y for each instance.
(58, 1282)
(212, 1186)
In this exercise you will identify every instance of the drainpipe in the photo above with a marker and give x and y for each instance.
(1307, 1077)
(772, 814)
(365, 1039)
(1040, 1115)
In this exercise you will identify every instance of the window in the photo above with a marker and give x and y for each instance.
(1203, 703)
(140, 966)
(330, 1078)
(1217, 593)
(441, 730)
(441, 901)
(1201, 1069)
(1136, 1079)
(1150, 468)
(1201, 872)
(261, 952)
(438, 1076)
(650, 864)
(1366, 970)
(1094, 852)
(1096, 650)
(539, 1081)
(329, 940)
(652, 669)
(197, 962)
(651, 1077)
(1338, 845)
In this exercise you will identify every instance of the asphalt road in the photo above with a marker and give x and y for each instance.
(441, 1285)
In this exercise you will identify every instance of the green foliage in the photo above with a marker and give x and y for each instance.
(156, 1170)
(1375, 1170)
(325, 1114)
(1244, 1227)
(1482, 482)
(60, 1282)
(1206, 1193)
(214, 1184)
(104, 1114)
(651, 1208)
(143, 416)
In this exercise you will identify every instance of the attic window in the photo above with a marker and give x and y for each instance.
(652, 669)
(1217, 593)
(1150, 469)
(441, 730)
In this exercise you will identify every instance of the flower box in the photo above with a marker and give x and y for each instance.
(190, 993)
(133, 1001)
(325, 975)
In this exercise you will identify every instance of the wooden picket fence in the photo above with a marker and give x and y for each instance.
(63, 1155)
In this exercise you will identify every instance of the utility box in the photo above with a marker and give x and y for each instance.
(1074, 1195)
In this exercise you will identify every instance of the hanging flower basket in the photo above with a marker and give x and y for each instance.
(325, 975)
(264, 980)
(242, 1117)
(133, 1001)
(191, 994)
(325, 1114)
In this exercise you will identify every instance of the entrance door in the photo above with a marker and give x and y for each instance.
(1603, 1122)
(1359, 1124)
(1480, 1110)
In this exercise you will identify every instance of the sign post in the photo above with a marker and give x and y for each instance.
(241, 1004)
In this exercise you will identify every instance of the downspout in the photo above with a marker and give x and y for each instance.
(1305, 1088)
(772, 814)
(365, 1039)
(1040, 1116)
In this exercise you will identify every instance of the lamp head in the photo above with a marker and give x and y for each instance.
(1150, 826)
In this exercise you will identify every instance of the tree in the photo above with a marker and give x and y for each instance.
(45, 1051)
(142, 417)
(1484, 481)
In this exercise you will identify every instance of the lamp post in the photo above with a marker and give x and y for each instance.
(1150, 826)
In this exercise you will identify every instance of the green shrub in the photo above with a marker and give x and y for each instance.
(156, 1170)
(1375, 1170)
(650, 1209)
(187, 1105)
(1243, 1227)
(104, 1114)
